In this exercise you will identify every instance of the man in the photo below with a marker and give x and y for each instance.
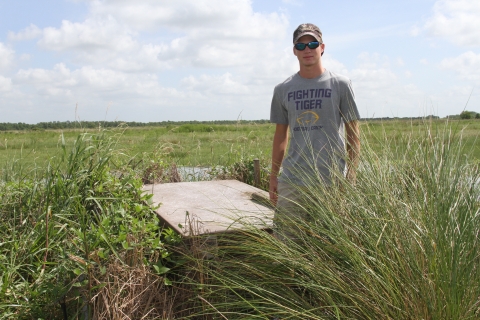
(314, 107)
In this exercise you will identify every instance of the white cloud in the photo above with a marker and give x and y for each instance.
(368, 60)
(221, 17)
(25, 57)
(351, 39)
(456, 20)
(216, 54)
(215, 85)
(201, 34)
(206, 33)
(144, 59)
(97, 40)
(414, 31)
(379, 91)
(293, 2)
(333, 65)
(30, 32)
(105, 81)
(179, 14)
(89, 36)
(467, 66)
(5, 84)
(372, 80)
(7, 57)
(94, 89)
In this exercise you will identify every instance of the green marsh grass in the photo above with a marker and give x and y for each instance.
(200, 145)
(185, 145)
(401, 243)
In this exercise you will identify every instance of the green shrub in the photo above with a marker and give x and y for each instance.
(467, 115)
(61, 227)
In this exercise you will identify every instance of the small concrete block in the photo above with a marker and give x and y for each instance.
(193, 208)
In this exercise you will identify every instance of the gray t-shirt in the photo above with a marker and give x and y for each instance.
(315, 110)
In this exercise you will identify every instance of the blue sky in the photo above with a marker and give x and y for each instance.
(152, 60)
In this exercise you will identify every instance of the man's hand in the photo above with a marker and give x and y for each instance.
(273, 189)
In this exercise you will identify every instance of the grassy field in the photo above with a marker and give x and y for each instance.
(203, 145)
(79, 240)
(190, 145)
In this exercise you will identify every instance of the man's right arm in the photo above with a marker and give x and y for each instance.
(280, 141)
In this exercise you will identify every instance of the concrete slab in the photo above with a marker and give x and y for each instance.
(213, 206)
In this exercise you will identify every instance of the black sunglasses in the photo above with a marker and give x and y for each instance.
(312, 45)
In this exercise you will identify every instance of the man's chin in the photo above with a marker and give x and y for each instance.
(310, 64)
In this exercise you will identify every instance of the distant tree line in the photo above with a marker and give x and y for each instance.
(6, 126)
(400, 118)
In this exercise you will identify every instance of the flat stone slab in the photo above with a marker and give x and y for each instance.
(203, 207)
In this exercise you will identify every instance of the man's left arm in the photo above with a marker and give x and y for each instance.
(353, 149)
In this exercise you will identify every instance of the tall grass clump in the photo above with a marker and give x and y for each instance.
(400, 243)
(78, 238)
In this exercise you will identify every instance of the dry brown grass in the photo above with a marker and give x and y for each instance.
(157, 173)
(132, 293)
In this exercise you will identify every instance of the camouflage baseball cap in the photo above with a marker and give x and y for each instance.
(307, 29)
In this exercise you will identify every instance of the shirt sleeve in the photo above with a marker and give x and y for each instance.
(348, 106)
(278, 112)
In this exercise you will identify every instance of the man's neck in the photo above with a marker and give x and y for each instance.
(310, 72)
